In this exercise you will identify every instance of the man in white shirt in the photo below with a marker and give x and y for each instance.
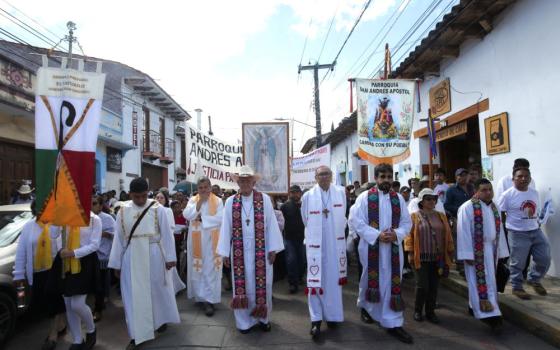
(506, 182)
(519, 203)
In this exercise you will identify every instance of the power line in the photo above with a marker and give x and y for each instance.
(26, 27)
(33, 20)
(328, 31)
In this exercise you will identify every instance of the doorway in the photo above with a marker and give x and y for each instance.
(461, 151)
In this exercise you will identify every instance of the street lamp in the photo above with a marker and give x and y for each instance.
(297, 121)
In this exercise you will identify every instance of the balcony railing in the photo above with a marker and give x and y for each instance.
(169, 154)
(152, 144)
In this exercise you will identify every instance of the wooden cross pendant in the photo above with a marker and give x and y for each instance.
(326, 212)
(247, 221)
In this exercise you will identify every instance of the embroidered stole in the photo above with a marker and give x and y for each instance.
(478, 248)
(240, 300)
(314, 237)
(372, 293)
(43, 255)
(196, 236)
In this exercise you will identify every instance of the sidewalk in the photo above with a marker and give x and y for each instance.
(539, 316)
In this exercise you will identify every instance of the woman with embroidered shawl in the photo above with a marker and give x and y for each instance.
(480, 237)
(430, 248)
(34, 256)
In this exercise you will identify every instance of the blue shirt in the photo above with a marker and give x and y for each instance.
(455, 197)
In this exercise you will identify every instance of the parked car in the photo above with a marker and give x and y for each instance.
(12, 220)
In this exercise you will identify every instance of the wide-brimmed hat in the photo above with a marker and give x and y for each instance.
(427, 192)
(246, 171)
(25, 189)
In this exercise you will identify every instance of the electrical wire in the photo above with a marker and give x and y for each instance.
(33, 20)
(328, 31)
(26, 27)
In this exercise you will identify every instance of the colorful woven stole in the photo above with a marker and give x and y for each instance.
(478, 243)
(240, 300)
(372, 292)
(43, 255)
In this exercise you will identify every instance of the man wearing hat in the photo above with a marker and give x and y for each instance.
(455, 196)
(251, 236)
(24, 195)
(323, 211)
(143, 255)
(293, 238)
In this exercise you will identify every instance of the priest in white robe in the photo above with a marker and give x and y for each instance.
(479, 221)
(144, 262)
(323, 211)
(251, 236)
(204, 277)
(382, 231)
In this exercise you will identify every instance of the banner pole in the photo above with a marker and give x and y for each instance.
(431, 162)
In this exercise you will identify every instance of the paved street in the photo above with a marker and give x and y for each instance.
(290, 328)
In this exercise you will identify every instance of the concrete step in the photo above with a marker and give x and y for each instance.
(539, 316)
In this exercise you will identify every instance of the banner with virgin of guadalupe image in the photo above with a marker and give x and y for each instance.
(67, 116)
(385, 116)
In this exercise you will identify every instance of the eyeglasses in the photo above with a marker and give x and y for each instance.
(430, 198)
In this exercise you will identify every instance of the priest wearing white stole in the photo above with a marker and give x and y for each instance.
(204, 276)
(144, 262)
(323, 211)
(380, 217)
(251, 236)
(479, 221)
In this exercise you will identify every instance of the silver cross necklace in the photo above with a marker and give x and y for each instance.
(247, 220)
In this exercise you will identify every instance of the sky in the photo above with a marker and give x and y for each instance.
(238, 60)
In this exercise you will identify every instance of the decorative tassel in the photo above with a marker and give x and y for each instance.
(342, 281)
(260, 311)
(313, 291)
(239, 302)
(397, 303)
(321, 291)
(486, 306)
(306, 291)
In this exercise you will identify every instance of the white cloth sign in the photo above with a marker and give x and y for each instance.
(218, 159)
(303, 168)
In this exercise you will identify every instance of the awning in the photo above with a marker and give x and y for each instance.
(115, 143)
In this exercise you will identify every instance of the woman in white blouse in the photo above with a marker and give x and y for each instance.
(34, 256)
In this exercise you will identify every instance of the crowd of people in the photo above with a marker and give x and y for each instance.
(152, 246)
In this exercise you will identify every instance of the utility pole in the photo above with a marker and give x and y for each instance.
(210, 126)
(70, 38)
(315, 67)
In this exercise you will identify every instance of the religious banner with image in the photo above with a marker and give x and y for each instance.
(218, 159)
(67, 117)
(385, 116)
(265, 149)
(303, 168)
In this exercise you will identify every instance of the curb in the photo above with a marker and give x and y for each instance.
(543, 326)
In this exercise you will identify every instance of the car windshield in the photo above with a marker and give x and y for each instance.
(11, 223)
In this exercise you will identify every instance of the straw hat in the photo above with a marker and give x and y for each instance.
(25, 189)
(427, 192)
(246, 171)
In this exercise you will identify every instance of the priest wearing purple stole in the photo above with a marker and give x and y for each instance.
(251, 236)
(380, 217)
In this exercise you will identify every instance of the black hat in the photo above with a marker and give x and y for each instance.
(295, 188)
(138, 185)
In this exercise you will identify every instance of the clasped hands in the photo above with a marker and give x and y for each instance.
(388, 236)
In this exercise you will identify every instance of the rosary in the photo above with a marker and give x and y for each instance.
(247, 221)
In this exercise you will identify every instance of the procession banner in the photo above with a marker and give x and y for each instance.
(385, 116)
(67, 117)
(303, 168)
(265, 149)
(217, 159)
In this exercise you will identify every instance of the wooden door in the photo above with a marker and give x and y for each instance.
(16, 165)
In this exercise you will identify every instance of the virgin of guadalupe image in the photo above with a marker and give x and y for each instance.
(264, 159)
(383, 124)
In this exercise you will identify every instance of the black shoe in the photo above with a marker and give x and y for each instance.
(91, 339)
(209, 309)
(62, 332)
(81, 346)
(244, 331)
(366, 318)
(400, 334)
(432, 318)
(418, 316)
(332, 325)
(48, 344)
(315, 330)
(162, 329)
(131, 345)
(265, 327)
(293, 289)
(470, 311)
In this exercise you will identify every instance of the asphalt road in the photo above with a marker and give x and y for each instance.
(290, 327)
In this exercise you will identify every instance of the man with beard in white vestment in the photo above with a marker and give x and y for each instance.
(380, 217)
(251, 236)
(479, 221)
(143, 254)
(204, 277)
(323, 211)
